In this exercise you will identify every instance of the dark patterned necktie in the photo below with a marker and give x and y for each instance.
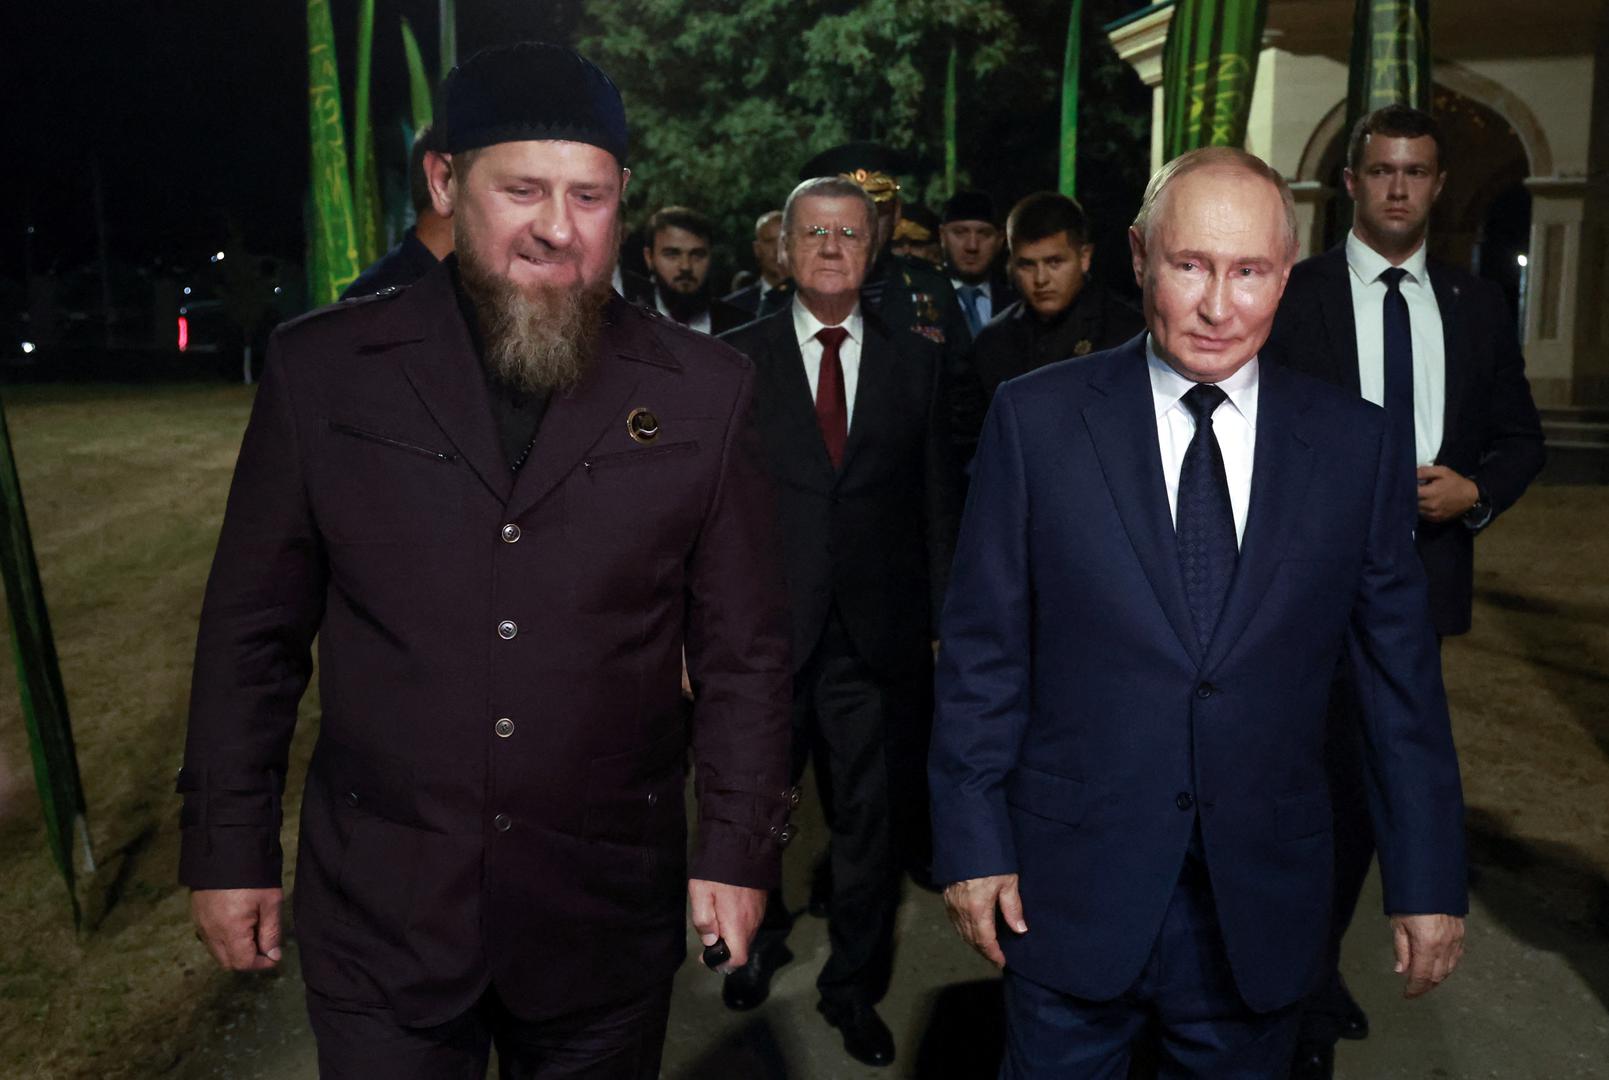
(1204, 519)
(1398, 342)
(832, 405)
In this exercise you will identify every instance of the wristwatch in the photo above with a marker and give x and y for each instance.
(1480, 515)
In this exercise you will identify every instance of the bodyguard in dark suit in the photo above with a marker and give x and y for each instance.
(851, 414)
(767, 256)
(425, 243)
(972, 240)
(505, 501)
(1437, 347)
(677, 253)
(1164, 549)
(1062, 313)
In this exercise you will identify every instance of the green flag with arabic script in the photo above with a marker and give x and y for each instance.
(1390, 56)
(1209, 65)
(334, 230)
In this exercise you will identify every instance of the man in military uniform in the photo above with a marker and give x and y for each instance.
(918, 235)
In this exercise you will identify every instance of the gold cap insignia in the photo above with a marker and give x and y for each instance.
(879, 185)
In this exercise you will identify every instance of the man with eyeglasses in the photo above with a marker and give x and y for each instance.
(853, 417)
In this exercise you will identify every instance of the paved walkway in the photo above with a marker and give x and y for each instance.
(1531, 1001)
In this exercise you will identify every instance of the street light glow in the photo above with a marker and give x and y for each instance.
(27, 347)
(1522, 260)
(187, 290)
(218, 257)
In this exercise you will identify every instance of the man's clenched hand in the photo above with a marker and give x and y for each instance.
(239, 927)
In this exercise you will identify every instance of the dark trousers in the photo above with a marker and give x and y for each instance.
(621, 1041)
(1185, 994)
(841, 711)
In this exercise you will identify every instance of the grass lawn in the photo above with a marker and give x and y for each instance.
(125, 490)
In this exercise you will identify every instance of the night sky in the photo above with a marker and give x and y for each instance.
(194, 112)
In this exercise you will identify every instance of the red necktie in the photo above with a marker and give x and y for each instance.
(832, 408)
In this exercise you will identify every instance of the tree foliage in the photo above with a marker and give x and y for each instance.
(728, 98)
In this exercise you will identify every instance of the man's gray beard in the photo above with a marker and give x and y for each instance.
(536, 340)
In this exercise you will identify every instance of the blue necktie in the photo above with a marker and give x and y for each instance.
(1203, 518)
(969, 307)
(1399, 369)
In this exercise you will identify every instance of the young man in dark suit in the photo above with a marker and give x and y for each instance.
(1438, 348)
(1164, 549)
(852, 417)
(1062, 313)
(506, 502)
(678, 256)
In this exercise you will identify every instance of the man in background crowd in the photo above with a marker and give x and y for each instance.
(767, 234)
(972, 241)
(1062, 312)
(426, 242)
(1437, 348)
(678, 256)
(917, 235)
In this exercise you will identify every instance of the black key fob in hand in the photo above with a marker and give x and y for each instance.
(717, 954)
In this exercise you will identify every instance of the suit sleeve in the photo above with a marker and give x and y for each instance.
(984, 667)
(1411, 769)
(263, 605)
(737, 660)
(1512, 450)
(943, 494)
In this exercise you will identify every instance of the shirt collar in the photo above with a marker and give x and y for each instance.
(1168, 387)
(1368, 264)
(807, 326)
(982, 287)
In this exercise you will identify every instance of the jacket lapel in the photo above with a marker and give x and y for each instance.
(440, 362)
(1123, 429)
(795, 407)
(871, 389)
(1454, 355)
(1282, 464)
(1340, 323)
(575, 421)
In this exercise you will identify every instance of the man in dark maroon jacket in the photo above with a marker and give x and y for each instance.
(506, 501)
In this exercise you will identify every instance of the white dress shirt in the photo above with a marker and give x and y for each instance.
(1234, 423)
(701, 322)
(806, 326)
(1424, 317)
(985, 299)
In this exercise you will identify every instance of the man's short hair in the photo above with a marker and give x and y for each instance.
(1207, 157)
(1045, 214)
(418, 182)
(828, 187)
(1394, 122)
(765, 219)
(678, 217)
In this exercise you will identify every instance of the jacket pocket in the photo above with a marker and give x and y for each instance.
(630, 457)
(387, 440)
(1301, 815)
(635, 797)
(1047, 795)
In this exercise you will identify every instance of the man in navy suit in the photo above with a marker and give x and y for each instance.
(1165, 549)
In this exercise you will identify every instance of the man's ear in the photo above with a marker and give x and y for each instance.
(1137, 255)
(1350, 180)
(439, 175)
(625, 182)
(1086, 252)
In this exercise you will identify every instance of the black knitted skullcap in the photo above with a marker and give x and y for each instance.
(969, 206)
(531, 90)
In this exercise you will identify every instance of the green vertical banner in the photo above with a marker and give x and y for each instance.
(950, 120)
(1209, 65)
(1067, 153)
(365, 173)
(44, 702)
(334, 233)
(1390, 57)
(418, 80)
(449, 36)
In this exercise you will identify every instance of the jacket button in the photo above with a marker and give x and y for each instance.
(785, 837)
(653, 798)
(502, 823)
(1184, 801)
(504, 727)
(511, 533)
(1205, 691)
(792, 795)
(352, 798)
(506, 630)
